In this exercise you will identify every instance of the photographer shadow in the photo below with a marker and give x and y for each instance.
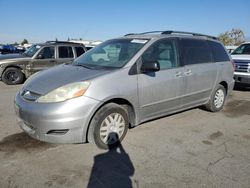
(112, 169)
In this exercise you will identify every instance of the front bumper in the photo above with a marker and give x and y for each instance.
(62, 122)
(242, 78)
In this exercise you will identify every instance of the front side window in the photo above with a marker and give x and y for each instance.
(163, 52)
(242, 49)
(47, 53)
(111, 54)
(65, 52)
(195, 51)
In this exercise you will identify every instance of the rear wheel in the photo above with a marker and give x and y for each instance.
(12, 76)
(217, 99)
(109, 126)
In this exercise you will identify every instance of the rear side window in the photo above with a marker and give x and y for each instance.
(219, 53)
(65, 52)
(79, 51)
(195, 51)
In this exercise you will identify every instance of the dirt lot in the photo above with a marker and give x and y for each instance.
(194, 148)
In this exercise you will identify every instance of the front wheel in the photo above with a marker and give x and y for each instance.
(108, 126)
(217, 99)
(12, 76)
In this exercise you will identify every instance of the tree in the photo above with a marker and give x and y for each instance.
(25, 41)
(237, 36)
(233, 37)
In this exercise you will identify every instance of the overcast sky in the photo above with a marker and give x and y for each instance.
(43, 20)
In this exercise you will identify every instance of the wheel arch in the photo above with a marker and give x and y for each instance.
(225, 85)
(120, 101)
(14, 66)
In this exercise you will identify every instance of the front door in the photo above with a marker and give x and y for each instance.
(44, 59)
(160, 92)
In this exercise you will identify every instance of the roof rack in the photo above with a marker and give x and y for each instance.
(144, 33)
(168, 32)
(63, 42)
(189, 33)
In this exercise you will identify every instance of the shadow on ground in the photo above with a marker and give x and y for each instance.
(240, 87)
(237, 108)
(112, 169)
(22, 142)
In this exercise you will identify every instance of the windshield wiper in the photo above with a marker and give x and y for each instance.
(85, 66)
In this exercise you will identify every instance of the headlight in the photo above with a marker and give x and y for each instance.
(66, 92)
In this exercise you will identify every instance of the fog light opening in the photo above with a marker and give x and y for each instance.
(58, 132)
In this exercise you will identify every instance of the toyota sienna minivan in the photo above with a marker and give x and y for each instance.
(122, 83)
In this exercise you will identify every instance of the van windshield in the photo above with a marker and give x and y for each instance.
(110, 54)
(242, 49)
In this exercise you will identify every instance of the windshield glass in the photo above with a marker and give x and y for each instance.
(32, 50)
(242, 49)
(111, 54)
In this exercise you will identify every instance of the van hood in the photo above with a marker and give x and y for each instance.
(55, 77)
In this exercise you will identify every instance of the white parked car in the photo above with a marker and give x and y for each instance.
(241, 57)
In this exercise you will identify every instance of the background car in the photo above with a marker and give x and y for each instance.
(14, 68)
(241, 57)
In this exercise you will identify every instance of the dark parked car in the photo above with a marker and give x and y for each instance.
(14, 68)
(8, 49)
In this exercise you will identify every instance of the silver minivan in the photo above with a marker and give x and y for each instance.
(122, 83)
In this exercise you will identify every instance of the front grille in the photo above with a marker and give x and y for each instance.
(242, 66)
(29, 95)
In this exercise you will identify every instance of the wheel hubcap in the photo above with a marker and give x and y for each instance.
(112, 128)
(12, 76)
(219, 98)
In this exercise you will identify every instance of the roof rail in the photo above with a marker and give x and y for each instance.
(144, 33)
(174, 32)
(51, 41)
(189, 33)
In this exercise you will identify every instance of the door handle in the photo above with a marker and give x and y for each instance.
(178, 74)
(188, 72)
(52, 61)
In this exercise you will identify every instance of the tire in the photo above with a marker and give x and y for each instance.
(217, 99)
(12, 76)
(110, 123)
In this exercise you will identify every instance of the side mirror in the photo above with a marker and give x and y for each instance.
(150, 67)
(40, 56)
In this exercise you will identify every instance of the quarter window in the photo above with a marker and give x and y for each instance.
(195, 51)
(219, 52)
(65, 52)
(163, 52)
(79, 51)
